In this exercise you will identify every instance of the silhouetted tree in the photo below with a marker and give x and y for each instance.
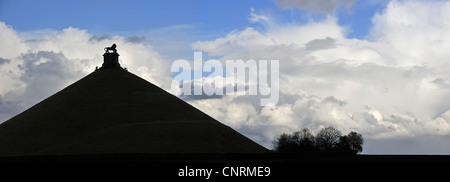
(285, 143)
(327, 138)
(306, 140)
(344, 144)
(298, 142)
(355, 141)
(351, 143)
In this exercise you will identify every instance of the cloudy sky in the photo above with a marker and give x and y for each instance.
(377, 67)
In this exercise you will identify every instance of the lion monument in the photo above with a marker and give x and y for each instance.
(112, 48)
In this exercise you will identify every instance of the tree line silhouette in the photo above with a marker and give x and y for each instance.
(327, 140)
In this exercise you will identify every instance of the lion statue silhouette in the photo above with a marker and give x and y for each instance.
(112, 48)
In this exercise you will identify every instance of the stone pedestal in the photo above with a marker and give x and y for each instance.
(111, 61)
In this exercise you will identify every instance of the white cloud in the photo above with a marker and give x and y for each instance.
(316, 6)
(414, 32)
(255, 18)
(250, 39)
(36, 64)
(11, 45)
(393, 86)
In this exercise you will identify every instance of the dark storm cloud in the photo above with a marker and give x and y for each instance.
(332, 99)
(45, 73)
(318, 44)
(441, 83)
(43, 63)
(98, 38)
(316, 6)
(135, 39)
(3, 61)
(420, 144)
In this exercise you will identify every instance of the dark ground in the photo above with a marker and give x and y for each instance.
(268, 157)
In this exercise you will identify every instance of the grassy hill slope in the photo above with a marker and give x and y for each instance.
(114, 111)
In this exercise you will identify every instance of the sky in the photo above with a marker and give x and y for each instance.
(377, 67)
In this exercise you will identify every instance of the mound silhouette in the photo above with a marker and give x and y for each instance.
(112, 111)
